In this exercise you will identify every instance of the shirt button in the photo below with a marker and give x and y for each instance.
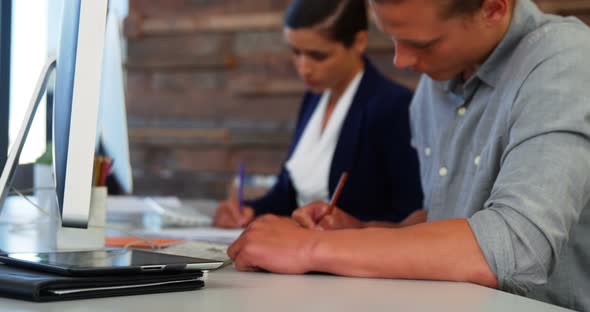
(427, 151)
(461, 111)
(443, 172)
(477, 160)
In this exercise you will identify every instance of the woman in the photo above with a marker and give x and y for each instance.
(352, 119)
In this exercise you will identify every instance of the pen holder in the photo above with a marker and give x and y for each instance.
(93, 236)
(44, 188)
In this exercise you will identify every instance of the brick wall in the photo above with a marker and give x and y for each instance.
(210, 84)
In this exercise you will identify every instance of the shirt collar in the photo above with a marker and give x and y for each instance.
(525, 19)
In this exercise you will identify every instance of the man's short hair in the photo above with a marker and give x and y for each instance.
(462, 7)
(449, 8)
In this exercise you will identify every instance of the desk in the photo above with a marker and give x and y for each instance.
(229, 290)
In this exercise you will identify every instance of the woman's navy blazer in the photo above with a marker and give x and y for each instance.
(374, 147)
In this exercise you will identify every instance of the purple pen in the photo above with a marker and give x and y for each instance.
(241, 187)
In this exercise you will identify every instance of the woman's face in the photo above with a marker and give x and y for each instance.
(323, 63)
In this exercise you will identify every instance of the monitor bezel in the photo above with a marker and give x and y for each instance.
(83, 128)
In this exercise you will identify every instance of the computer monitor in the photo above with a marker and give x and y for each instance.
(114, 138)
(77, 124)
(76, 106)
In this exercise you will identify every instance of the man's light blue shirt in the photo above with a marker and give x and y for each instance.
(510, 151)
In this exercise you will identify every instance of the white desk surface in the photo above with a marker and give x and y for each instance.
(229, 290)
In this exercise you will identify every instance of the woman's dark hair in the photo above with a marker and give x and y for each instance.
(341, 20)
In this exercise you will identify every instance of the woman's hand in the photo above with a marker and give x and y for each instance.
(228, 215)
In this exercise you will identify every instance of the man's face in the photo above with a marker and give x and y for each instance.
(428, 43)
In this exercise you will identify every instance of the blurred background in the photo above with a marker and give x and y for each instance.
(209, 84)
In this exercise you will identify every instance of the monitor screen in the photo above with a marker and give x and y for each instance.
(64, 89)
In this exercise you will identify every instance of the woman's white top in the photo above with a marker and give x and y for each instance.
(309, 165)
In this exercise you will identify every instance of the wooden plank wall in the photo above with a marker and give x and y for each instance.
(210, 84)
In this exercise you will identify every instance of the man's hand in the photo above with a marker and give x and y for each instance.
(313, 216)
(440, 250)
(273, 244)
(228, 215)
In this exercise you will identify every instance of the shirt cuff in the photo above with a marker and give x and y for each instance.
(495, 241)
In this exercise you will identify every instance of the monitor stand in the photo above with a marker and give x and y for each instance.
(11, 163)
(65, 238)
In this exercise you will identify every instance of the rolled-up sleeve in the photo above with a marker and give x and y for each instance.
(544, 180)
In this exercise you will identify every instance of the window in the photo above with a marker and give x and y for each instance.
(29, 54)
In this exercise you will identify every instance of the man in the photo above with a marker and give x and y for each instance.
(501, 121)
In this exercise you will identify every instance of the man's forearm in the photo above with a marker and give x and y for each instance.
(441, 250)
(418, 216)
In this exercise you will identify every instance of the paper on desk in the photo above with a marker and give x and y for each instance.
(203, 234)
(200, 250)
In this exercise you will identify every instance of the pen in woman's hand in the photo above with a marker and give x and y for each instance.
(241, 188)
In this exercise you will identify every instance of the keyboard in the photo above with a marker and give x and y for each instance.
(174, 213)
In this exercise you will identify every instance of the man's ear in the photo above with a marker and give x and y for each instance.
(494, 11)
(361, 40)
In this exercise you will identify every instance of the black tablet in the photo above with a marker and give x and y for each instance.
(109, 261)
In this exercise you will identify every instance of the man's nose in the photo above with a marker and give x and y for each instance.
(404, 58)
